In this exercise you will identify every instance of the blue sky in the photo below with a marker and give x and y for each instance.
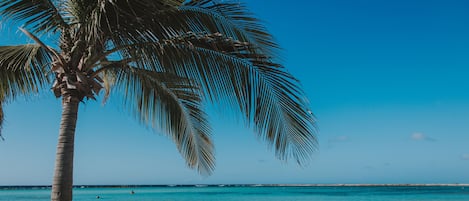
(387, 81)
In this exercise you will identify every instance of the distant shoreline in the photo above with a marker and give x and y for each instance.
(236, 185)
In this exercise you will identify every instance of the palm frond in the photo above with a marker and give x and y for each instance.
(168, 102)
(231, 18)
(37, 15)
(132, 18)
(21, 72)
(22, 69)
(80, 11)
(232, 72)
(98, 24)
(136, 21)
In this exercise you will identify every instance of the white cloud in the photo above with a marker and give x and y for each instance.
(418, 136)
(465, 157)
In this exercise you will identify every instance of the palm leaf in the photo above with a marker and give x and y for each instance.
(136, 21)
(169, 103)
(22, 72)
(233, 73)
(22, 69)
(231, 18)
(37, 15)
(102, 19)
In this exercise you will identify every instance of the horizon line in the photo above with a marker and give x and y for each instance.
(247, 185)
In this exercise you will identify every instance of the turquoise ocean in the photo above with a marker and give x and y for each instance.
(247, 193)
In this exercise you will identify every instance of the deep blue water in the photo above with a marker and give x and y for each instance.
(250, 193)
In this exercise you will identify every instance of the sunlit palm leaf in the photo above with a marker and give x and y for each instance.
(168, 102)
(37, 15)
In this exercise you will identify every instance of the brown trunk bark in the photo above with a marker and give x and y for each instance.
(63, 174)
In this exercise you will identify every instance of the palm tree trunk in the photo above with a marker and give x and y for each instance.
(63, 174)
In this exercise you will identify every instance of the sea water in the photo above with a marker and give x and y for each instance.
(248, 193)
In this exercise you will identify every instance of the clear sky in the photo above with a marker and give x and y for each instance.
(387, 80)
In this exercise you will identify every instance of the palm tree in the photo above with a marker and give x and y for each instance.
(165, 59)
